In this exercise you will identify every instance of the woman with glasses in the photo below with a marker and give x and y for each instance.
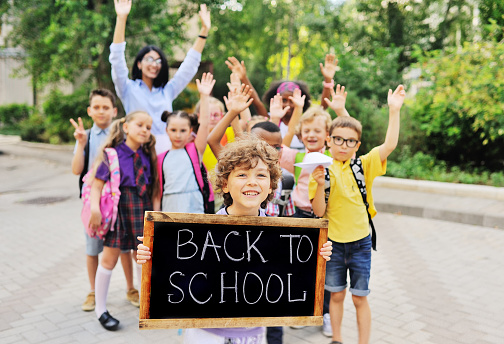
(149, 89)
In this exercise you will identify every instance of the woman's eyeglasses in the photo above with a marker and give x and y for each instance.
(151, 60)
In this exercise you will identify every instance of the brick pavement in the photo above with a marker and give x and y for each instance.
(432, 281)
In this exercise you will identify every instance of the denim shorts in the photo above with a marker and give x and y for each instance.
(353, 258)
(94, 246)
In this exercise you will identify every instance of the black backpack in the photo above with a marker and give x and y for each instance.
(86, 162)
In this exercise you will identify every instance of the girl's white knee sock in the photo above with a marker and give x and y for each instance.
(102, 282)
(139, 275)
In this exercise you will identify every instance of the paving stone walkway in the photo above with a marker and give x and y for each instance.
(432, 281)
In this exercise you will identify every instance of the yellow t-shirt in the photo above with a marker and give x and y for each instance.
(209, 158)
(346, 212)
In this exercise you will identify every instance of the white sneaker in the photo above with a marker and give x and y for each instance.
(326, 327)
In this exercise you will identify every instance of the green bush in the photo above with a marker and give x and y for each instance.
(33, 128)
(186, 100)
(12, 114)
(58, 109)
(461, 115)
(426, 167)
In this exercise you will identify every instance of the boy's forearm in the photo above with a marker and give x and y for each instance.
(392, 136)
(318, 202)
(78, 160)
(342, 112)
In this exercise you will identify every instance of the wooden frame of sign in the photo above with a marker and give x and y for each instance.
(290, 294)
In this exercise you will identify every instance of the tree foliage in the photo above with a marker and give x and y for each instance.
(492, 17)
(62, 38)
(430, 24)
(461, 114)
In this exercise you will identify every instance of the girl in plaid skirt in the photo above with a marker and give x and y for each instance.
(132, 139)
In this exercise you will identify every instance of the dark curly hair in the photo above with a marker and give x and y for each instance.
(245, 152)
(272, 91)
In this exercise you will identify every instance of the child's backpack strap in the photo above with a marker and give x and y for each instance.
(160, 160)
(115, 174)
(327, 185)
(86, 162)
(201, 174)
(358, 173)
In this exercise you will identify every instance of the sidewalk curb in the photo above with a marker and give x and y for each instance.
(477, 219)
(16, 140)
(450, 189)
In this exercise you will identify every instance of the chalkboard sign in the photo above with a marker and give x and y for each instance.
(232, 271)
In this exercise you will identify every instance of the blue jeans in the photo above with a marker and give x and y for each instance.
(353, 258)
(274, 335)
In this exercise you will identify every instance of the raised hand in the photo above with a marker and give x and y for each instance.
(239, 99)
(277, 112)
(338, 98)
(330, 66)
(122, 7)
(234, 83)
(206, 84)
(297, 99)
(237, 67)
(396, 99)
(79, 133)
(204, 15)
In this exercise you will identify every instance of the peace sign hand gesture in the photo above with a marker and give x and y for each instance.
(79, 133)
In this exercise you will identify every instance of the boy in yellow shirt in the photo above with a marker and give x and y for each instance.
(348, 215)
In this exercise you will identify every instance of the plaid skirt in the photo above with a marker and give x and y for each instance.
(130, 220)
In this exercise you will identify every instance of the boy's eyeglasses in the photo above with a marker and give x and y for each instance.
(150, 60)
(351, 143)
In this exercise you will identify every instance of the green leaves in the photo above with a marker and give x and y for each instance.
(62, 38)
(462, 112)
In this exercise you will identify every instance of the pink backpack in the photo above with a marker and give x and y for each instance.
(200, 172)
(109, 198)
